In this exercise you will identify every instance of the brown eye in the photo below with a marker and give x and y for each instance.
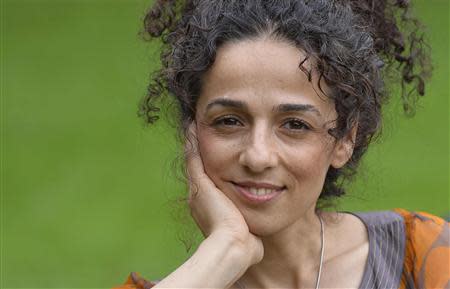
(296, 125)
(228, 121)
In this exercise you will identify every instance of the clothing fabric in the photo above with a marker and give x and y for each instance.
(407, 250)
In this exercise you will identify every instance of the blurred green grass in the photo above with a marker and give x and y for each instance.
(85, 188)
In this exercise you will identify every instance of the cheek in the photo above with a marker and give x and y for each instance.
(215, 152)
(308, 163)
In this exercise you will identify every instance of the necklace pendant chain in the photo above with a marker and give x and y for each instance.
(322, 251)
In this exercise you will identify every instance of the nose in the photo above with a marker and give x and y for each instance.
(259, 151)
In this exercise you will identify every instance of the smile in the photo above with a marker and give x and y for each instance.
(257, 193)
(260, 192)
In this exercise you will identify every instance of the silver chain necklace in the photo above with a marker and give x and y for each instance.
(322, 250)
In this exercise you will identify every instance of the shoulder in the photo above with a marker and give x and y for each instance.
(135, 281)
(386, 234)
(413, 246)
(427, 250)
(425, 233)
(417, 222)
(386, 237)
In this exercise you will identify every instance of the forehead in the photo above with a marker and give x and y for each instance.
(262, 67)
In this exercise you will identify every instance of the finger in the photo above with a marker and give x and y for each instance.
(195, 171)
(190, 145)
(194, 164)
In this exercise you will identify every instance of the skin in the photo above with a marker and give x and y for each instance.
(257, 142)
(275, 244)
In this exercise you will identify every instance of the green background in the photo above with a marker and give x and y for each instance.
(85, 189)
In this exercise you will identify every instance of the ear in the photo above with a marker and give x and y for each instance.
(343, 150)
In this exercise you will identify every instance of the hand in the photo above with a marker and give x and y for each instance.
(212, 210)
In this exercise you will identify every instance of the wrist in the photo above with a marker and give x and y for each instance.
(218, 262)
(234, 247)
(243, 250)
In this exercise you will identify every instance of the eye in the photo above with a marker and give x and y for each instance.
(296, 125)
(227, 121)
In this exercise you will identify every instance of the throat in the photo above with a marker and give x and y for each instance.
(294, 257)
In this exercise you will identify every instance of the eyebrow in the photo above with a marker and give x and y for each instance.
(227, 103)
(289, 107)
(284, 107)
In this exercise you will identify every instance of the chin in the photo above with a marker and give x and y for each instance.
(261, 227)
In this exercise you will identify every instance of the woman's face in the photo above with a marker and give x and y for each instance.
(262, 131)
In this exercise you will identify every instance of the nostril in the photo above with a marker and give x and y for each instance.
(258, 157)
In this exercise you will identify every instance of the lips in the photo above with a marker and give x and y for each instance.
(259, 185)
(258, 193)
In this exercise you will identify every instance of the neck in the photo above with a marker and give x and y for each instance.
(291, 256)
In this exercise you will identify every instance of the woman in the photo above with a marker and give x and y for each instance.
(278, 101)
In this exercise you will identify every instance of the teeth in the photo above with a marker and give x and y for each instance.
(260, 192)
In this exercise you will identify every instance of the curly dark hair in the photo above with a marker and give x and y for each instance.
(355, 45)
